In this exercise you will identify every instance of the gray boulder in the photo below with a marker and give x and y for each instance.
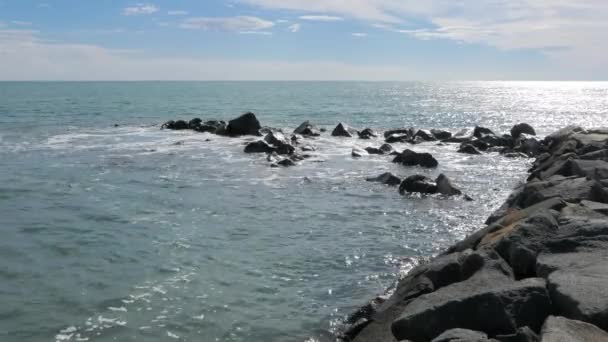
(445, 187)
(411, 158)
(246, 124)
(480, 132)
(386, 178)
(281, 144)
(441, 134)
(461, 335)
(468, 149)
(259, 147)
(307, 129)
(343, 130)
(425, 135)
(522, 128)
(367, 133)
(418, 183)
(561, 329)
(397, 138)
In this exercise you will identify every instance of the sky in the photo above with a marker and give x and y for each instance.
(304, 40)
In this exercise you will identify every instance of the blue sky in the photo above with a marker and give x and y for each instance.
(304, 40)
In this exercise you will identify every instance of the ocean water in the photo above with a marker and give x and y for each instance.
(131, 233)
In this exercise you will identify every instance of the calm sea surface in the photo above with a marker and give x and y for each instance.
(131, 233)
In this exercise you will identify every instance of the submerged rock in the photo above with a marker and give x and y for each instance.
(441, 134)
(246, 124)
(386, 178)
(367, 133)
(259, 147)
(384, 149)
(468, 149)
(307, 129)
(411, 158)
(175, 125)
(418, 183)
(357, 152)
(281, 144)
(343, 130)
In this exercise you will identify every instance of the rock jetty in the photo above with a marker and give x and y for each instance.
(538, 271)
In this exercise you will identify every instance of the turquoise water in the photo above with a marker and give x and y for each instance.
(132, 233)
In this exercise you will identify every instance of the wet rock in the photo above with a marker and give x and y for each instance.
(373, 150)
(308, 148)
(246, 124)
(402, 131)
(462, 335)
(280, 143)
(286, 162)
(598, 207)
(367, 133)
(397, 138)
(441, 134)
(175, 125)
(307, 129)
(259, 147)
(425, 135)
(468, 149)
(445, 187)
(418, 183)
(386, 178)
(561, 329)
(358, 153)
(480, 132)
(343, 130)
(522, 128)
(555, 139)
(386, 148)
(194, 123)
(411, 158)
(514, 155)
(523, 334)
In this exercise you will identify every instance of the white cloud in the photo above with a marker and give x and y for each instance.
(43, 5)
(21, 23)
(295, 28)
(140, 9)
(282, 21)
(261, 33)
(230, 24)
(359, 34)
(177, 12)
(321, 18)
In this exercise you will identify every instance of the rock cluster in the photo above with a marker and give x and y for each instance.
(536, 272)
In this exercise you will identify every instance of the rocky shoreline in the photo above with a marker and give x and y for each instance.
(538, 271)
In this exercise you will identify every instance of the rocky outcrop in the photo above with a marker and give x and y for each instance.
(411, 158)
(343, 130)
(246, 124)
(537, 269)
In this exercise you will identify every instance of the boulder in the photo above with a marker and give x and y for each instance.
(343, 130)
(386, 148)
(386, 178)
(175, 125)
(556, 138)
(307, 129)
(488, 301)
(411, 158)
(445, 187)
(523, 334)
(308, 148)
(571, 189)
(358, 153)
(402, 131)
(212, 126)
(441, 134)
(468, 149)
(418, 183)
(424, 135)
(373, 150)
(281, 144)
(480, 132)
(522, 128)
(246, 124)
(561, 329)
(462, 335)
(194, 123)
(259, 147)
(397, 138)
(367, 133)
(286, 162)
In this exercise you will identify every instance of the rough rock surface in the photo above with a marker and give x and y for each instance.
(343, 130)
(411, 158)
(246, 124)
(560, 329)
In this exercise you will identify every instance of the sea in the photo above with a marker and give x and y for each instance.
(112, 229)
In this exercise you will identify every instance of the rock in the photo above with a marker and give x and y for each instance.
(570, 189)
(397, 138)
(367, 133)
(281, 144)
(286, 163)
(411, 158)
(596, 155)
(440, 134)
(522, 128)
(461, 335)
(418, 183)
(259, 147)
(524, 334)
(307, 129)
(175, 125)
(468, 149)
(601, 208)
(343, 130)
(308, 148)
(480, 132)
(560, 329)
(386, 178)
(556, 138)
(373, 150)
(487, 302)
(402, 131)
(514, 155)
(246, 124)
(194, 123)
(386, 148)
(445, 187)
(424, 135)
(358, 153)
(212, 126)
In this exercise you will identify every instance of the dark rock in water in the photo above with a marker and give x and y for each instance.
(561, 329)
(397, 138)
(286, 163)
(418, 183)
(514, 155)
(386, 148)
(307, 129)
(246, 124)
(367, 133)
(403, 131)
(259, 147)
(386, 178)
(194, 123)
(357, 152)
(116, 125)
(411, 158)
(212, 126)
(468, 149)
(281, 144)
(425, 135)
(308, 148)
(522, 128)
(462, 335)
(323, 129)
(175, 125)
(343, 130)
(479, 132)
(440, 134)
(479, 144)
(445, 187)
